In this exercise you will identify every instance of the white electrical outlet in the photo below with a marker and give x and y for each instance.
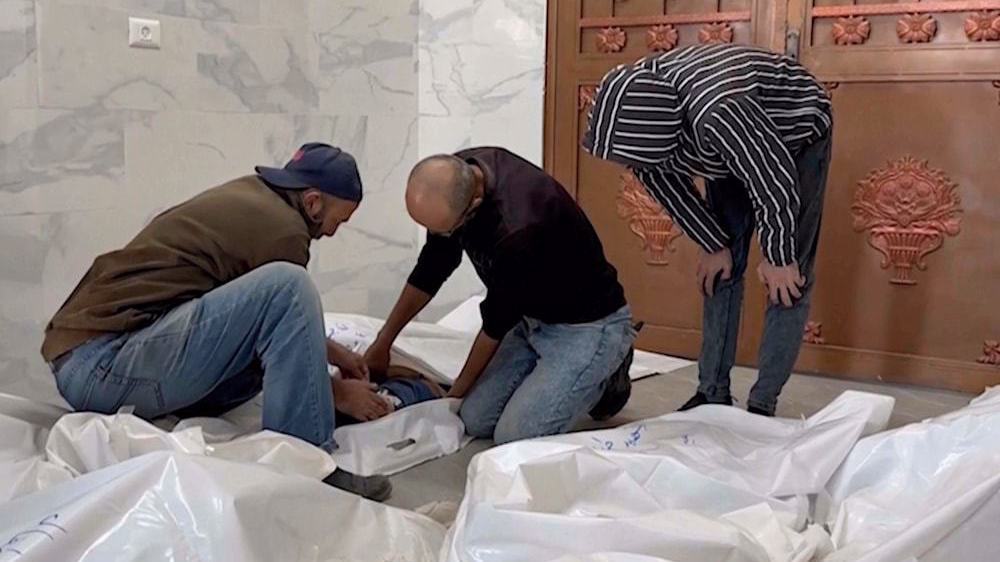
(144, 33)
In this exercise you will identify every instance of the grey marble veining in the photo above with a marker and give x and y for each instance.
(13, 51)
(43, 145)
(481, 82)
(392, 152)
(293, 14)
(18, 87)
(201, 66)
(347, 131)
(261, 87)
(369, 75)
(480, 60)
(531, 12)
(366, 55)
(229, 145)
(340, 55)
(237, 11)
(44, 255)
(23, 250)
(445, 22)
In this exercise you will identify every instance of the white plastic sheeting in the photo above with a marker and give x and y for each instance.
(93, 487)
(610, 557)
(85, 442)
(401, 440)
(929, 491)
(24, 430)
(715, 483)
(434, 351)
(176, 507)
(41, 445)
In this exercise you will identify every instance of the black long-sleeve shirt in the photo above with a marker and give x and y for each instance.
(532, 246)
(714, 111)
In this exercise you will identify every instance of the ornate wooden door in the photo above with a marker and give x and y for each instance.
(907, 271)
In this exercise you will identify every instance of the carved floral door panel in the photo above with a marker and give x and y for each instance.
(907, 267)
(908, 270)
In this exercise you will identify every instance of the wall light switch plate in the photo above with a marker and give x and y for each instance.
(143, 33)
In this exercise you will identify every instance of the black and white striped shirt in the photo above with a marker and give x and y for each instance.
(714, 111)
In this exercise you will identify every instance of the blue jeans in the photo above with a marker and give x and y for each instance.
(545, 377)
(783, 327)
(263, 330)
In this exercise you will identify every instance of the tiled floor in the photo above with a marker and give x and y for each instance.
(444, 479)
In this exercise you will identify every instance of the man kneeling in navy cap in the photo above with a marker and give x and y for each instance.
(211, 303)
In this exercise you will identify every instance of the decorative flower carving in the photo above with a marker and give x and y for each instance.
(611, 40)
(983, 26)
(852, 30)
(716, 33)
(813, 333)
(647, 220)
(916, 28)
(662, 37)
(907, 207)
(991, 352)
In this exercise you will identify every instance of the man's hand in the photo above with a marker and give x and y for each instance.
(410, 302)
(783, 283)
(353, 366)
(377, 359)
(710, 266)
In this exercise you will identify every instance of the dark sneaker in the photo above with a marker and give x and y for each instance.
(616, 393)
(760, 411)
(375, 488)
(700, 399)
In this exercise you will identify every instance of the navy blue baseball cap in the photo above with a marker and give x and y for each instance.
(320, 166)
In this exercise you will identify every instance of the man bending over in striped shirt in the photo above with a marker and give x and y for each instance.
(757, 126)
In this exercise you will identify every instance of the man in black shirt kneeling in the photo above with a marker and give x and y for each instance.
(557, 334)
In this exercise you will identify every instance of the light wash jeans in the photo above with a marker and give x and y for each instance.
(545, 377)
(263, 330)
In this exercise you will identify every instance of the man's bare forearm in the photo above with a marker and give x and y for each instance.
(410, 303)
(334, 352)
(479, 357)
